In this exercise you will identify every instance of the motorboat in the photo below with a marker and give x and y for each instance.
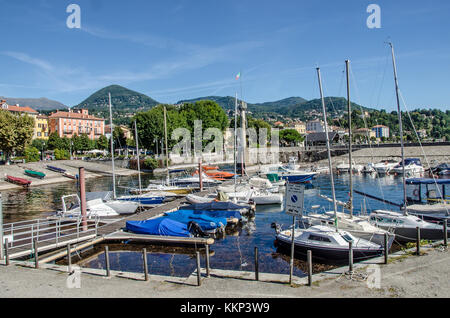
(385, 166)
(94, 208)
(120, 206)
(220, 206)
(145, 200)
(369, 168)
(404, 226)
(440, 170)
(345, 167)
(194, 181)
(412, 166)
(163, 226)
(295, 176)
(326, 243)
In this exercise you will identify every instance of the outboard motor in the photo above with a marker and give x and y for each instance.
(276, 226)
(196, 229)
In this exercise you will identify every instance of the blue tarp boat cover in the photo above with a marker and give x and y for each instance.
(427, 181)
(216, 205)
(207, 223)
(215, 213)
(160, 226)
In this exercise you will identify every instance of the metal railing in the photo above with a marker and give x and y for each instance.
(20, 236)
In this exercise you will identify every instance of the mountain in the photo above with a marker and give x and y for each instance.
(121, 99)
(228, 103)
(335, 106)
(35, 103)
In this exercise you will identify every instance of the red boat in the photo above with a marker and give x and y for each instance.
(219, 174)
(19, 181)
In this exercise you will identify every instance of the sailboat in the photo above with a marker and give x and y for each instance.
(325, 242)
(403, 224)
(357, 225)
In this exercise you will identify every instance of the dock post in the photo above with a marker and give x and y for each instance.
(69, 259)
(1, 228)
(199, 281)
(144, 254)
(200, 174)
(418, 241)
(310, 269)
(108, 271)
(445, 232)
(350, 256)
(83, 197)
(207, 261)
(256, 264)
(6, 252)
(291, 264)
(386, 247)
(36, 253)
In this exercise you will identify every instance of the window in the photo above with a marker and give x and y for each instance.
(318, 238)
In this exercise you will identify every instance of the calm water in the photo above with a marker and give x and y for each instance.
(234, 252)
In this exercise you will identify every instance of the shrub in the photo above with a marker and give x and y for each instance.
(150, 163)
(61, 154)
(32, 154)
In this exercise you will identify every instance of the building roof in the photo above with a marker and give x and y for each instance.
(74, 115)
(23, 109)
(320, 136)
(380, 126)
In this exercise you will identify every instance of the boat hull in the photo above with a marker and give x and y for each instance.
(334, 255)
(298, 178)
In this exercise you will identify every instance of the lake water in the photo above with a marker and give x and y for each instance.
(234, 252)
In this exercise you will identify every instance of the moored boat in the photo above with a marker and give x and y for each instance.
(56, 169)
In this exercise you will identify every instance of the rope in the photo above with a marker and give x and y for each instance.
(354, 276)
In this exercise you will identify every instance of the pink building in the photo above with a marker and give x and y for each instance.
(67, 124)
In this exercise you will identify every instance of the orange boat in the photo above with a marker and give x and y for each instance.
(219, 174)
(210, 167)
(210, 175)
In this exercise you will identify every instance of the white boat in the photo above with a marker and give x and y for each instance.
(404, 226)
(94, 208)
(257, 196)
(345, 167)
(385, 166)
(413, 166)
(327, 244)
(359, 226)
(118, 205)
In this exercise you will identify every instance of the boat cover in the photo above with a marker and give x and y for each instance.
(215, 213)
(160, 226)
(215, 205)
(207, 223)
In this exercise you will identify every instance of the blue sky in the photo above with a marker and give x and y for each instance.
(181, 49)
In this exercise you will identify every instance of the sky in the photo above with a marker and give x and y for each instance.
(183, 49)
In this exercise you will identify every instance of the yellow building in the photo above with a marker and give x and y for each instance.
(41, 129)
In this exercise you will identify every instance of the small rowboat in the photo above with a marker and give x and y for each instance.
(19, 181)
(35, 174)
(56, 169)
(69, 175)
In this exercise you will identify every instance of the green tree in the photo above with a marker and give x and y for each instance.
(102, 143)
(61, 154)
(55, 142)
(16, 132)
(288, 136)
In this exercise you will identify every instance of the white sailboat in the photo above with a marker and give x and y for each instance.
(357, 225)
(403, 224)
(327, 243)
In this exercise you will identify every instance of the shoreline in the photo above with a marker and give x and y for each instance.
(93, 169)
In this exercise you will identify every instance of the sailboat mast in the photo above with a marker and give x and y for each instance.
(400, 126)
(349, 111)
(235, 137)
(137, 150)
(328, 146)
(165, 137)
(112, 147)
